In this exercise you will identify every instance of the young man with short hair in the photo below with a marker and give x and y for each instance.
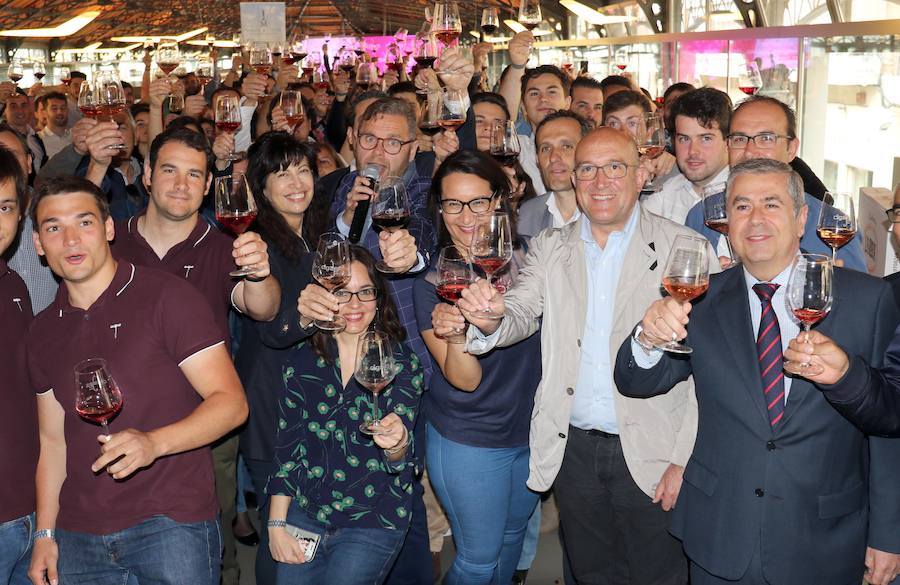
(18, 431)
(55, 133)
(586, 94)
(139, 502)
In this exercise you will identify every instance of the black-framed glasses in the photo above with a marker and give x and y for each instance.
(613, 170)
(893, 214)
(476, 206)
(764, 140)
(390, 145)
(366, 295)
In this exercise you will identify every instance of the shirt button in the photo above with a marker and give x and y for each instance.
(579, 343)
(87, 317)
(570, 391)
(759, 492)
(562, 435)
(770, 445)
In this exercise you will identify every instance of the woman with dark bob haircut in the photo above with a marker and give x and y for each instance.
(281, 173)
(479, 407)
(351, 490)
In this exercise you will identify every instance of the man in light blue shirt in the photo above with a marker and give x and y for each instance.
(615, 463)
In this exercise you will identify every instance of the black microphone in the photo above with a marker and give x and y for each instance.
(372, 172)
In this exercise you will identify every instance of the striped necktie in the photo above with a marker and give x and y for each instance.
(768, 347)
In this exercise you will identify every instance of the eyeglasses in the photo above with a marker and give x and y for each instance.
(476, 206)
(390, 145)
(764, 140)
(366, 295)
(613, 170)
(893, 214)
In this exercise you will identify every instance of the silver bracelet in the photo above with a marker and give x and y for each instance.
(276, 523)
(398, 448)
(45, 533)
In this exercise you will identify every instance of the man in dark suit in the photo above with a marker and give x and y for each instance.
(780, 488)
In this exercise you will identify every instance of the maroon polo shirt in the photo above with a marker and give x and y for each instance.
(18, 423)
(144, 324)
(204, 259)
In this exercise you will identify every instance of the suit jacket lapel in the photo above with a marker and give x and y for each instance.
(575, 271)
(641, 261)
(737, 329)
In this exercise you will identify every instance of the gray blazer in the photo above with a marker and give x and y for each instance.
(553, 285)
(534, 217)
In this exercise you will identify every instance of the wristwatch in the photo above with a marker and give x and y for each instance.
(276, 523)
(45, 533)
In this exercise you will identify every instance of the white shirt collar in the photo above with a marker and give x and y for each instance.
(553, 207)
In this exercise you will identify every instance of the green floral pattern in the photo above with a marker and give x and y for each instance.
(332, 470)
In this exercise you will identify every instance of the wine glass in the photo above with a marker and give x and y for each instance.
(454, 275)
(228, 117)
(39, 70)
(685, 277)
(375, 369)
(204, 73)
(15, 72)
(809, 296)
(235, 210)
(750, 80)
(505, 147)
(530, 13)
(65, 75)
(394, 58)
(621, 60)
(837, 222)
(168, 57)
(651, 141)
(391, 211)
(98, 397)
(490, 21)
(715, 214)
(445, 23)
(366, 75)
(87, 100)
(331, 269)
(292, 107)
(347, 59)
(110, 100)
(261, 59)
(491, 248)
(431, 114)
(425, 53)
(453, 109)
(298, 49)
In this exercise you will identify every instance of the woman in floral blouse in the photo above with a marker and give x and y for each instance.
(352, 490)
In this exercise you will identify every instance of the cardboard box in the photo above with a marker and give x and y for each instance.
(880, 249)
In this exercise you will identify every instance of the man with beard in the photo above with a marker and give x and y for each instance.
(702, 119)
(55, 134)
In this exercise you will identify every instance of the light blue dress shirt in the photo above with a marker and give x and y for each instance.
(594, 405)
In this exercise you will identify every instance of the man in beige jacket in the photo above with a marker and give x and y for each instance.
(615, 462)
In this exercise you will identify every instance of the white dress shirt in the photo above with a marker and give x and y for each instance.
(677, 196)
(53, 142)
(558, 219)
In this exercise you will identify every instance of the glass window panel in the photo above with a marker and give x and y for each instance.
(704, 63)
(777, 62)
(851, 110)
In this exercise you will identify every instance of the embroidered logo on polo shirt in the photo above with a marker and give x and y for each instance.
(115, 328)
(18, 303)
(187, 270)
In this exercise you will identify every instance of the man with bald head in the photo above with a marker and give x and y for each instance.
(615, 463)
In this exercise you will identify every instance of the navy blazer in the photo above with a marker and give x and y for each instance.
(811, 494)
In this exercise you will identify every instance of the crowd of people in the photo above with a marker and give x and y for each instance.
(539, 374)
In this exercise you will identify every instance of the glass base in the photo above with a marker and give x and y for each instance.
(674, 347)
(245, 271)
(804, 370)
(337, 324)
(370, 428)
(488, 314)
(385, 269)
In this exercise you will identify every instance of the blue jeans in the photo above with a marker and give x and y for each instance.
(158, 551)
(484, 494)
(346, 556)
(529, 544)
(15, 550)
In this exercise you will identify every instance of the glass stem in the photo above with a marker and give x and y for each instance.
(730, 250)
(105, 428)
(374, 409)
(833, 254)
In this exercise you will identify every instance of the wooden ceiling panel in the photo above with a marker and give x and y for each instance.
(152, 17)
